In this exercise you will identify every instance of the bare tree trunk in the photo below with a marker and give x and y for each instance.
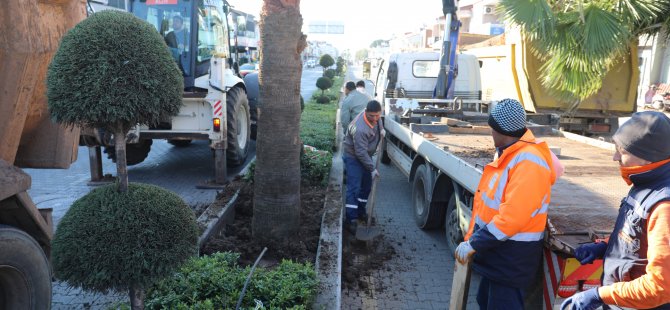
(277, 176)
(121, 166)
(137, 295)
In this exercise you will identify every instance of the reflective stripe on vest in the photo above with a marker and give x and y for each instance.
(497, 198)
(528, 236)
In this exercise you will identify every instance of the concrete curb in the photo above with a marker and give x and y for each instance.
(216, 216)
(329, 253)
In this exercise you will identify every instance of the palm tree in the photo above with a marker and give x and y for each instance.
(581, 40)
(277, 176)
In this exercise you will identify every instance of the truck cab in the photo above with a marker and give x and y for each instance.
(414, 75)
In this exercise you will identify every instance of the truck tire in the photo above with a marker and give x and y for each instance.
(428, 215)
(385, 154)
(135, 152)
(452, 225)
(25, 274)
(180, 143)
(239, 131)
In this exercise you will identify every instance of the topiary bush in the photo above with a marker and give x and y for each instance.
(330, 73)
(216, 281)
(324, 83)
(326, 61)
(323, 99)
(113, 71)
(113, 67)
(109, 240)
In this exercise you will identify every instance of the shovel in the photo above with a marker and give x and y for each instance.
(368, 233)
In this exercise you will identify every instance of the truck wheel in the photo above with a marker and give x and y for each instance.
(135, 152)
(25, 275)
(239, 131)
(385, 155)
(428, 215)
(452, 225)
(180, 143)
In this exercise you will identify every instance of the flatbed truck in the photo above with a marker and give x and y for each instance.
(444, 163)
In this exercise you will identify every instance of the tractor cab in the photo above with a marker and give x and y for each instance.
(194, 30)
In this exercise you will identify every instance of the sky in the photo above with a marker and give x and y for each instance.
(364, 20)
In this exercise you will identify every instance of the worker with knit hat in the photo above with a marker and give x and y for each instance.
(506, 232)
(636, 257)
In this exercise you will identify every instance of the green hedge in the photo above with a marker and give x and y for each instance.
(216, 281)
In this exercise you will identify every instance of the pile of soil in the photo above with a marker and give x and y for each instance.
(237, 237)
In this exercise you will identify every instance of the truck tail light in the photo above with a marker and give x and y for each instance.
(217, 124)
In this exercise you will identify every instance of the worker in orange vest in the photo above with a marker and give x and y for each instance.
(506, 233)
(636, 266)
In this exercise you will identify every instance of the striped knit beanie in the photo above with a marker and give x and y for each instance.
(508, 118)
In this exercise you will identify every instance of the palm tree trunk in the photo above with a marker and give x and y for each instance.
(121, 166)
(277, 176)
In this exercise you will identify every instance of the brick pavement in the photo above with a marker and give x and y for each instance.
(177, 169)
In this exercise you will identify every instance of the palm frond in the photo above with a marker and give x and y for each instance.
(534, 16)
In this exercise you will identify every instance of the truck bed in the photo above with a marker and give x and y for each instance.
(585, 199)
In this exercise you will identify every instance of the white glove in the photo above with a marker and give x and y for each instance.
(383, 133)
(375, 174)
(463, 252)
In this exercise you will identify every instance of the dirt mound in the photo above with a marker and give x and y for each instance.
(237, 236)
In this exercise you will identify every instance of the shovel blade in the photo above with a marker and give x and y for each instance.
(366, 233)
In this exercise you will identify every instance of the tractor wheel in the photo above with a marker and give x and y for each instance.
(452, 225)
(135, 152)
(25, 274)
(239, 132)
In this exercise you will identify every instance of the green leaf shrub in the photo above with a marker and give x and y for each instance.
(216, 281)
(113, 68)
(315, 166)
(317, 126)
(109, 240)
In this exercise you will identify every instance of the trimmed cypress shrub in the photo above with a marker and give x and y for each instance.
(323, 83)
(109, 240)
(113, 68)
(330, 73)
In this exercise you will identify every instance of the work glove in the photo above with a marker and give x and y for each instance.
(586, 300)
(463, 252)
(383, 133)
(375, 174)
(587, 253)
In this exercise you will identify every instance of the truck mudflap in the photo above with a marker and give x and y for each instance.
(564, 277)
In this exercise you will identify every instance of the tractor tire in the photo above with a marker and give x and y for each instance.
(428, 215)
(25, 274)
(180, 143)
(452, 225)
(239, 132)
(135, 152)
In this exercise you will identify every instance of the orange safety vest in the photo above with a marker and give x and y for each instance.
(513, 195)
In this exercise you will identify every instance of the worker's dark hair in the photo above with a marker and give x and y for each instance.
(373, 106)
(360, 83)
(350, 85)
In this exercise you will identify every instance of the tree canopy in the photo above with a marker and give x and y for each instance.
(581, 40)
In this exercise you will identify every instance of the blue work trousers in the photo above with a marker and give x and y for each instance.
(359, 184)
(496, 296)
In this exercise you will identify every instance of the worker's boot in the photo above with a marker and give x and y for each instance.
(362, 212)
(350, 220)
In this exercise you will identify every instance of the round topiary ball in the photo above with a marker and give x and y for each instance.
(113, 68)
(109, 240)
